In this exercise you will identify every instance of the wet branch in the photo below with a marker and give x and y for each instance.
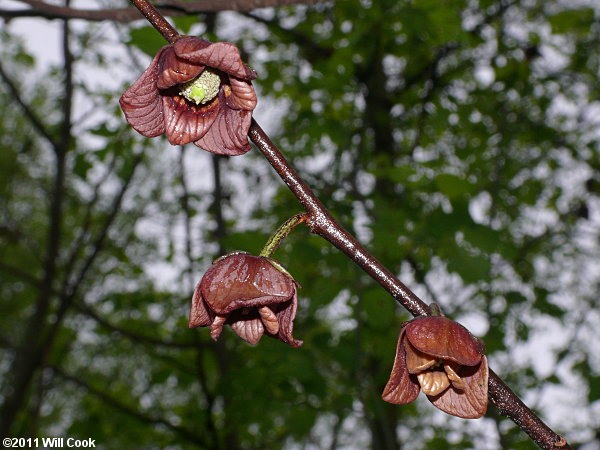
(38, 8)
(323, 224)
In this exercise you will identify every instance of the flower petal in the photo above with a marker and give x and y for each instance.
(250, 330)
(142, 102)
(184, 122)
(470, 403)
(242, 95)
(443, 338)
(173, 70)
(200, 314)
(244, 281)
(271, 281)
(286, 315)
(453, 376)
(433, 382)
(221, 55)
(417, 361)
(401, 388)
(269, 319)
(217, 327)
(229, 133)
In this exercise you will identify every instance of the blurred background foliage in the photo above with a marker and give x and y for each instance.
(459, 140)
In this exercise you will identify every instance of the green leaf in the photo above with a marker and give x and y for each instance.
(453, 186)
(470, 267)
(594, 392)
(81, 166)
(185, 23)
(147, 39)
(572, 20)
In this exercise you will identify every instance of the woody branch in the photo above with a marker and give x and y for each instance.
(323, 224)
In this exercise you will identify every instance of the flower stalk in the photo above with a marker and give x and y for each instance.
(281, 233)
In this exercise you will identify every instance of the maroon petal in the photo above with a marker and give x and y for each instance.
(242, 95)
(142, 103)
(200, 314)
(221, 55)
(217, 327)
(269, 320)
(173, 70)
(185, 123)
(250, 330)
(470, 403)
(244, 281)
(229, 134)
(286, 316)
(401, 388)
(443, 338)
(271, 281)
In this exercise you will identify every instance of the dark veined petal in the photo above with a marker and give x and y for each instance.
(244, 281)
(185, 123)
(242, 95)
(229, 133)
(401, 388)
(286, 315)
(443, 338)
(216, 327)
(142, 103)
(471, 402)
(173, 70)
(268, 319)
(223, 56)
(250, 330)
(200, 314)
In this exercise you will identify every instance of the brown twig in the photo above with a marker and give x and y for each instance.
(157, 21)
(322, 223)
(49, 11)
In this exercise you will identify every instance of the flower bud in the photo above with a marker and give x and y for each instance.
(250, 294)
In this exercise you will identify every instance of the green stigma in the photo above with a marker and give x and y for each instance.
(203, 88)
(197, 94)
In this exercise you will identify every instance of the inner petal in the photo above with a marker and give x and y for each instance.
(269, 319)
(457, 382)
(250, 330)
(217, 326)
(433, 382)
(417, 361)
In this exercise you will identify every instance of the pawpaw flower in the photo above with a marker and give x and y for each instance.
(252, 294)
(194, 91)
(445, 361)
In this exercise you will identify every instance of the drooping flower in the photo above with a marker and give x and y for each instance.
(194, 91)
(444, 360)
(252, 294)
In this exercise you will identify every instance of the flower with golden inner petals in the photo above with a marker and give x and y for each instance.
(252, 294)
(194, 91)
(445, 361)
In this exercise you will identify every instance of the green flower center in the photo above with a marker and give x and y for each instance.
(203, 88)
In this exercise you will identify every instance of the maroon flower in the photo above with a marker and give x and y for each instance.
(440, 357)
(253, 294)
(194, 91)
